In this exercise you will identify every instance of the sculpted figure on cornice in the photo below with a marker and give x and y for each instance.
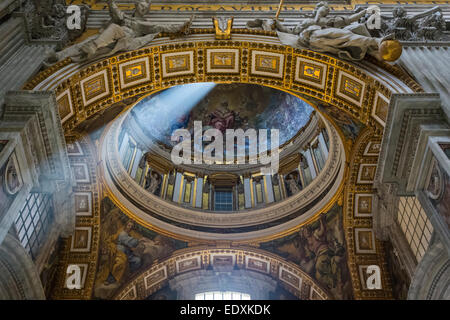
(339, 35)
(46, 20)
(153, 181)
(425, 26)
(292, 183)
(123, 33)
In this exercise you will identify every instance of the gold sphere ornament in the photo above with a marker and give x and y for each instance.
(390, 50)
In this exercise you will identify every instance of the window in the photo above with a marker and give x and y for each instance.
(415, 225)
(121, 138)
(129, 154)
(187, 191)
(320, 159)
(276, 189)
(223, 200)
(305, 170)
(222, 295)
(259, 191)
(326, 138)
(34, 220)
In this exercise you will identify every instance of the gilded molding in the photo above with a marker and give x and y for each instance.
(339, 78)
(364, 249)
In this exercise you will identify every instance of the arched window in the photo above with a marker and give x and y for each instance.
(222, 295)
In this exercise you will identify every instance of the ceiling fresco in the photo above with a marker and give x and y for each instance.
(221, 106)
(349, 127)
(126, 249)
(319, 249)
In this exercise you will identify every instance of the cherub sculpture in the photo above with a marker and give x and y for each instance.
(123, 33)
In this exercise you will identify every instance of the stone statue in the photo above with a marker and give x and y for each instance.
(49, 11)
(293, 186)
(432, 27)
(240, 187)
(427, 25)
(152, 182)
(46, 20)
(123, 33)
(338, 35)
(424, 26)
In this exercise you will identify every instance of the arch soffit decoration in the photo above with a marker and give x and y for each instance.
(292, 278)
(363, 248)
(361, 91)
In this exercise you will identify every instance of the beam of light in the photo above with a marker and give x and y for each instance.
(169, 110)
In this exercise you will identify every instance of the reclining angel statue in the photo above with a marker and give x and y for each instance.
(122, 33)
(338, 35)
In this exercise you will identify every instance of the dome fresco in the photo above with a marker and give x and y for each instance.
(221, 106)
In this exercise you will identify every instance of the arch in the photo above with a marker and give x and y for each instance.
(257, 285)
(431, 279)
(362, 90)
(256, 261)
(18, 275)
